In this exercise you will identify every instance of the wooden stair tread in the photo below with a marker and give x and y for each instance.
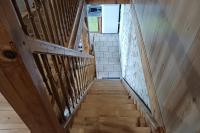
(108, 106)
(112, 92)
(107, 100)
(107, 96)
(117, 121)
(109, 89)
(108, 109)
(107, 113)
(106, 129)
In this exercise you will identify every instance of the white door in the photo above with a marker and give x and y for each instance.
(110, 18)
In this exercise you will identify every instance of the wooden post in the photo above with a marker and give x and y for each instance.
(20, 80)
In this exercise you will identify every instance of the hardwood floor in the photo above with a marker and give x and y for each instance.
(9, 120)
(108, 109)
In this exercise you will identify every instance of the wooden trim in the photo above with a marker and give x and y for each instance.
(38, 46)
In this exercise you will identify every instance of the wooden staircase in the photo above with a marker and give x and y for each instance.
(108, 109)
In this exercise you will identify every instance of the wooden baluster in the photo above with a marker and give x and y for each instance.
(17, 10)
(72, 80)
(53, 86)
(88, 70)
(85, 74)
(59, 74)
(42, 72)
(59, 21)
(56, 23)
(48, 22)
(71, 12)
(81, 71)
(79, 74)
(44, 30)
(31, 16)
(61, 17)
(69, 89)
(59, 40)
(64, 13)
(76, 75)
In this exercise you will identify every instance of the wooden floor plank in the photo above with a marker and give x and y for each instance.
(10, 122)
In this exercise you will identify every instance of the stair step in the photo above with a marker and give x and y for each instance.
(108, 109)
(108, 113)
(110, 106)
(108, 97)
(107, 88)
(106, 129)
(113, 92)
(113, 121)
(107, 100)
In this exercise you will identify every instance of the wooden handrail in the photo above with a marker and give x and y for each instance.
(157, 128)
(38, 46)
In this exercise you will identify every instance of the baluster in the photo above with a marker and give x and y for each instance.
(59, 74)
(44, 30)
(69, 89)
(49, 26)
(60, 14)
(79, 74)
(24, 27)
(59, 39)
(59, 21)
(53, 85)
(76, 75)
(72, 80)
(84, 74)
(42, 72)
(31, 19)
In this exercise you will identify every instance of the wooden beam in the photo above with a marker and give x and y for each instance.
(20, 81)
(107, 1)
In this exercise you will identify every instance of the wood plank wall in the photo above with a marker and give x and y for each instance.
(171, 35)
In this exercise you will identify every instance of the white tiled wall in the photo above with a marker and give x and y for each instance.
(131, 64)
(106, 47)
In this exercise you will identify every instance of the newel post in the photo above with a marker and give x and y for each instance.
(20, 80)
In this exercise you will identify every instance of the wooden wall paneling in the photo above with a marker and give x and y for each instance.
(170, 30)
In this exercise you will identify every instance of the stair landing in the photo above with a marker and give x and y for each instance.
(108, 109)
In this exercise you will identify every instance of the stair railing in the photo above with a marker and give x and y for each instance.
(42, 79)
(144, 109)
